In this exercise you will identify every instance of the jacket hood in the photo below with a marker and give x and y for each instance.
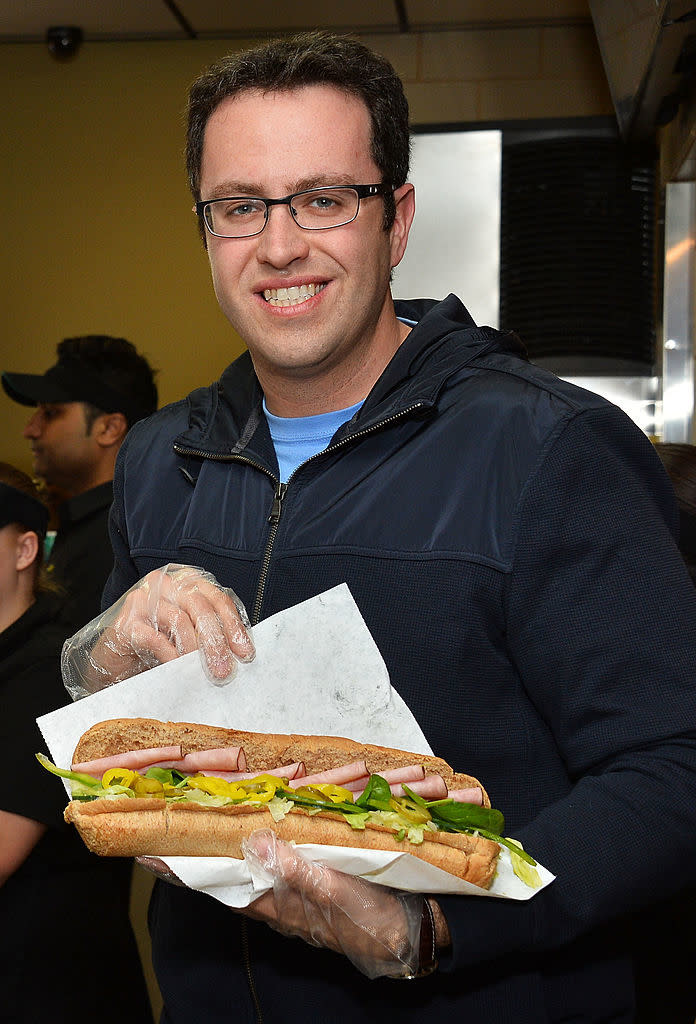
(444, 339)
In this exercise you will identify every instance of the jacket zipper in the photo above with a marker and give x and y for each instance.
(278, 497)
(281, 490)
(274, 520)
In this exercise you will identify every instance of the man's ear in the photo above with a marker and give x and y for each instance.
(405, 200)
(110, 428)
(27, 549)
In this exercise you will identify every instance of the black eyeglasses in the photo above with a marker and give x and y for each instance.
(314, 209)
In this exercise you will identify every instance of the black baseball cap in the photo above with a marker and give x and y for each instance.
(70, 380)
(18, 507)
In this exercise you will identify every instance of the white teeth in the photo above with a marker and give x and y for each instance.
(292, 296)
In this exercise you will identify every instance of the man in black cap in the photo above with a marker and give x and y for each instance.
(85, 405)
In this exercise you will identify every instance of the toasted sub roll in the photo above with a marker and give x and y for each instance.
(131, 827)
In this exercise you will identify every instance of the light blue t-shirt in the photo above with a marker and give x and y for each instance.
(297, 438)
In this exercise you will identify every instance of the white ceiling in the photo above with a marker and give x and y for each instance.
(28, 20)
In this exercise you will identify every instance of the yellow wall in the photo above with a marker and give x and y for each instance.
(97, 230)
(97, 233)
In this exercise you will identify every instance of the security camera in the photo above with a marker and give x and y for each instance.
(63, 41)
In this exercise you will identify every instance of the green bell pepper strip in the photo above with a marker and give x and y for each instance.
(510, 843)
(448, 815)
(320, 805)
(64, 773)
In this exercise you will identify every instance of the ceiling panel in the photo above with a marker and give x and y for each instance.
(157, 19)
(221, 17)
(463, 12)
(98, 19)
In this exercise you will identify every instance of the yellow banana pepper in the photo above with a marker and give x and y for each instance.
(326, 791)
(147, 787)
(260, 789)
(118, 777)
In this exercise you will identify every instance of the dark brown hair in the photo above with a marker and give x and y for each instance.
(309, 58)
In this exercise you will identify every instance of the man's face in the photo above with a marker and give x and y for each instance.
(270, 145)
(62, 447)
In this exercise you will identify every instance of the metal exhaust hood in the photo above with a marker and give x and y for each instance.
(649, 52)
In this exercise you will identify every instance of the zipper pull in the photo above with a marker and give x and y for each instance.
(277, 503)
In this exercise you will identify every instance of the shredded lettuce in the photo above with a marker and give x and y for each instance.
(279, 807)
(522, 868)
(375, 805)
(357, 821)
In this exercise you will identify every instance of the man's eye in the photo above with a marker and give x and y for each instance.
(239, 209)
(324, 202)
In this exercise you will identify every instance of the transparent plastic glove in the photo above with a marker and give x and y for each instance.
(377, 928)
(169, 612)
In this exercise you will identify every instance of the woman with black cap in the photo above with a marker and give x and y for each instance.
(67, 951)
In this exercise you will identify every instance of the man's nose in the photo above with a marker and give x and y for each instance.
(33, 427)
(282, 241)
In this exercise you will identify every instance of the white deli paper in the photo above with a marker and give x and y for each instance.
(317, 671)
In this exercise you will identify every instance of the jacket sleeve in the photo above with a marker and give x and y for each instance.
(601, 627)
(124, 573)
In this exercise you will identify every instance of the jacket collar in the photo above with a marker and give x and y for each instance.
(227, 418)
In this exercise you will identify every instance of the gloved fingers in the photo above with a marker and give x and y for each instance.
(377, 928)
(153, 641)
(235, 624)
(170, 612)
(215, 614)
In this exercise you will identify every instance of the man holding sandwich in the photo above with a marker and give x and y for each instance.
(506, 536)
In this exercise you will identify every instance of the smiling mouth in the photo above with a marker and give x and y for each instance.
(292, 296)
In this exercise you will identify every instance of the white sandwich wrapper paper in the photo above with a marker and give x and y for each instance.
(317, 671)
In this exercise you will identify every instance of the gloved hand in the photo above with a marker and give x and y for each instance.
(169, 612)
(377, 928)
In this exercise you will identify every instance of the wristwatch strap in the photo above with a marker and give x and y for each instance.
(427, 959)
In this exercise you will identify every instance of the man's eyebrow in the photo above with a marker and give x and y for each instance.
(233, 188)
(323, 180)
(225, 189)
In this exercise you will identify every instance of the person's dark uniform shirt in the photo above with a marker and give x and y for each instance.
(67, 951)
(81, 557)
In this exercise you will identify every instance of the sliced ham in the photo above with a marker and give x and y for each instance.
(133, 759)
(335, 776)
(466, 796)
(286, 771)
(229, 763)
(410, 773)
(432, 787)
(227, 759)
(357, 785)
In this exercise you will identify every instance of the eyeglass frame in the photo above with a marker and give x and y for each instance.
(363, 192)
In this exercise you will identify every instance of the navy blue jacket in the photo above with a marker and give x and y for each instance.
(508, 540)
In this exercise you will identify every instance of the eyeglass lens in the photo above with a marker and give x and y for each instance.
(325, 208)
